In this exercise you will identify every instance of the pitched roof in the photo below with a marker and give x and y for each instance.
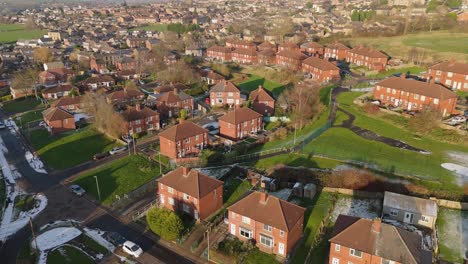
(422, 88)
(56, 113)
(217, 48)
(451, 66)
(274, 211)
(311, 45)
(183, 130)
(191, 182)
(288, 45)
(125, 93)
(66, 101)
(244, 51)
(297, 55)
(379, 239)
(98, 79)
(369, 52)
(410, 203)
(59, 88)
(267, 45)
(323, 65)
(132, 113)
(240, 115)
(261, 94)
(170, 87)
(337, 45)
(225, 86)
(173, 96)
(212, 75)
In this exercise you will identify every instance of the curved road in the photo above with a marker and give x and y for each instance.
(63, 205)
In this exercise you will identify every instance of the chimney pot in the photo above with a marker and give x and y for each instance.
(376, 225)
(176, 91)
(263, 197)
(138, 107)
(185, 171)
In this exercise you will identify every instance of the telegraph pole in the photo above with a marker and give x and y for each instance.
(97, 186)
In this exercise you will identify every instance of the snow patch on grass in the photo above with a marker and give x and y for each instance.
(35, 162)
(365, 208)
(55, 237)
(96, 235)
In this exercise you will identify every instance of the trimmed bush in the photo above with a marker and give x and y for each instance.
(165, 223)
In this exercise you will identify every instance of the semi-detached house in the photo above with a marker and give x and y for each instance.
(183, 140)
(449, 73)
(240, 123)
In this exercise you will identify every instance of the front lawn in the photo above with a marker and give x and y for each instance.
(68, 255)
(28, 117)
(21, 105)
(119, 177)
(317, 210)
(254, 81)
(296, 160)
(404, 70)
(256, 256)
(69, 149)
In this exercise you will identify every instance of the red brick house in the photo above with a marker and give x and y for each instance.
(140, 120)
(101, 81)
(312, 49)
(219, 53)
(211, 77)
(125, 64)
(58, 91)
(125, 96)
(70, 104)
(53, 77)
(266, 46)
(359, 240)
(266, 57)
(288, 46)
(290, 58)
(274, 225)
(183, 140)
(244, 56)
(169, 104)
(449, 73)
(414, 95)
(191, 192)
(161, 89)
(336, 51)
(369, 57)
(225, 93)
(240, 44)
(58, 119)
(240, 123)
(320, 70)
(262, 101)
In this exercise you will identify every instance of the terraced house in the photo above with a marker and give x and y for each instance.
(171, 103)
(262, 101)
(190, 191)
(415, 95)
(244, 56)
(368, 57)
(336, 51)
(240, 123)
(320, 70)
(290, 59)
(240, 44)
(183, 140)
(312, 49)
(274, 224)
(219, 53)
(449, 73)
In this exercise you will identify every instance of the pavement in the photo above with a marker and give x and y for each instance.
(64, 205)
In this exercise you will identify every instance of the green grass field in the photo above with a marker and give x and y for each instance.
(254, 81)
(12, 32)
(68, 255)
(235, 188)
(68, 149)
(390, 72)
(441, 44)
(258, 257)
(296, 160)
(29, 117)
(21, 105)
(317, 210)
(343, 144)
(119, 177)
(153, 27)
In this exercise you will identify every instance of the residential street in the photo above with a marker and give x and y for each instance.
(64, 205)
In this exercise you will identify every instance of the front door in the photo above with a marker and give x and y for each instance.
(233, 229)
(408, 218)
(195, 212)
(281, 249)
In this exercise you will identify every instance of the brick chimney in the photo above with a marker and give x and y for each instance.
(185, 171)
(263, 197)
(376, 225)
(260, 87)
(138, 107)
(176, 91)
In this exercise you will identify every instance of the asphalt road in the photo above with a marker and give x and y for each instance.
(63, 205)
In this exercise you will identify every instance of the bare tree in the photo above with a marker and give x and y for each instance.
(426, 121)
(42, 55)
(302, 102)
(26, 81)
(106, 120)
(178, 72)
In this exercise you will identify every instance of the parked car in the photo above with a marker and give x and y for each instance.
(99, 156)
(76, 189)
(115, 238)
(459, 119)
(117, 150)
(2, 125)
(132, 249)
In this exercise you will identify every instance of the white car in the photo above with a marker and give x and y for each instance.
(132, 249)
(117, 150)
(459, 119)
(76, 189)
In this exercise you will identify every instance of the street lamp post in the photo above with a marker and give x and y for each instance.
(97, 186)
(160, 168)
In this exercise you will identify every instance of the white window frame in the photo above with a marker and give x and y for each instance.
(337, 248)
(266, 241)
(335, 261)
(352, 252)
(393, 212)
(170, 190)
(171, 201)
(267, 227)
(186, 196)
(186, 208)
(245, 220)
(281, 233)
(245, 231)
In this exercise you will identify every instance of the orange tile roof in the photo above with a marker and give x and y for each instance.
(191, 182)
(240, 115)
(182, 131)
